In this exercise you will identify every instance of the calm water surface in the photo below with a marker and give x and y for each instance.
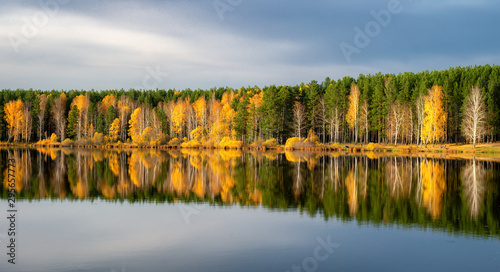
(190, 210)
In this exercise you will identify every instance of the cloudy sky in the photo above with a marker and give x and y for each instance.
(71, 44)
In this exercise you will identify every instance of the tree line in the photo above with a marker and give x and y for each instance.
(448, 106)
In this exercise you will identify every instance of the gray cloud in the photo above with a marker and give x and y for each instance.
(111, 44)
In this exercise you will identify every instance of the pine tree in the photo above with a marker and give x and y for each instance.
(100, 124)
(241, 119)
(72, 130)
(111, 115)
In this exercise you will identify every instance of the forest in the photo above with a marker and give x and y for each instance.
(456, 105)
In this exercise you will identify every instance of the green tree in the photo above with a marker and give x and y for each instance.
(111, 115)
(100, 124)
(241, 119)
(73, 122)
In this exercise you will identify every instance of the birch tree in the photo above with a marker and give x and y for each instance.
(299, 118)
(474, 121)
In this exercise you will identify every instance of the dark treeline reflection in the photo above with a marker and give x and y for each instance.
(456, 195)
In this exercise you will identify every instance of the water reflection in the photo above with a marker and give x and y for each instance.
(449, 194)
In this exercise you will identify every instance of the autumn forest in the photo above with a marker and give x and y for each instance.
(450, 106)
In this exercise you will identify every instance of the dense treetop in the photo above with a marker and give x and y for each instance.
(404, 108)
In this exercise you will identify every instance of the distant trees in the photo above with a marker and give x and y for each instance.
(404, 108)
(474, 120)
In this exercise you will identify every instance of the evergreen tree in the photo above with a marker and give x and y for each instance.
(241, 119)
(73, 122)
(100, 124)
(111, 115)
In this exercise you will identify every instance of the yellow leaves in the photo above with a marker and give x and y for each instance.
(98, 138)
(53, 138)
(257, 99)
(353, 112)
(197, 133)
(199, 107)
(351, 185)
(228, 113)
(114, 130)
(15, 117)
(134, 169)
(217, 131)
(174, 141)
(433, 186)
(147, 135)
(82, 102)
(271, 143)
(136, 124)
(178, 178)
(434, 123)
(292, 142)
(292, 157)
(114, 163)
(179, 117)
(227, 142)
(107, 101)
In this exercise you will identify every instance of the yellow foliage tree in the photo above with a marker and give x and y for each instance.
(53, 138)
(148, 135)
(82, 102)
(107, 101)
(14, 116)
(136, 124)
(200, 111)
(179, 118)
(434, 122)
(197, 133)
(114, 130)
(353, 111)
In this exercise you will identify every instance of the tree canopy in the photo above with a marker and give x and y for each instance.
(406, 108)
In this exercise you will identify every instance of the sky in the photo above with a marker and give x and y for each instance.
(179, 44)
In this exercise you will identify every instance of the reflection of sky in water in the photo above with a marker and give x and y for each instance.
(99, 236)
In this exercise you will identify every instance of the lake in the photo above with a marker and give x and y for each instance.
(227, 210)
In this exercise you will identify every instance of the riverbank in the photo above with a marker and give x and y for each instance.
(488, 148)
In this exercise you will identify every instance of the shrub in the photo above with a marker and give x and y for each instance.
(372, 146)
(336, 146)
(257, 143)
(197, 133)
(44, 142)
(53, 138)
(68, 142)
(192, 143)
(98, 138)
(174, 141)
(270, 143)
(292, 143)
(227, 142)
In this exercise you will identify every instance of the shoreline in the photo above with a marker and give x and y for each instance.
(450, 149)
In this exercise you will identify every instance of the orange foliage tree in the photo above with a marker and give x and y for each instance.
(136, 125)
(14, 117)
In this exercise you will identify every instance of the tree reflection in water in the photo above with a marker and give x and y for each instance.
(449, 194)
